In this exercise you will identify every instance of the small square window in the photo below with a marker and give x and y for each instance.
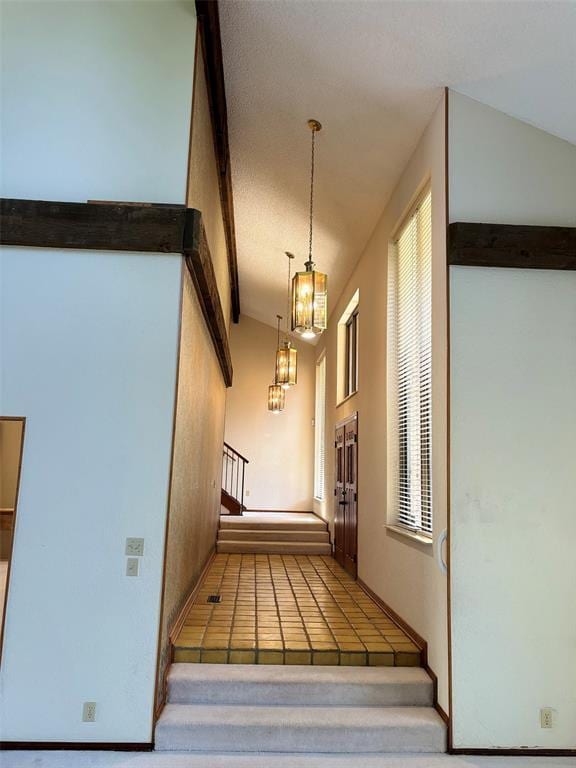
(351, 366)
(347, 350)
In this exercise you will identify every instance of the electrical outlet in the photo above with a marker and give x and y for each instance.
(247, 492)
(89, 712)
(132, 564)
(135, 547)
(546, 717)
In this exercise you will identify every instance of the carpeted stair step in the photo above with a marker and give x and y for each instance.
(267, 523)
(196, 727)
(278, 685)
(273, 547)
(239, 534)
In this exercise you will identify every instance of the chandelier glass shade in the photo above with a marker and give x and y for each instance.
(309, 302)
(286, 364)
(276, 398)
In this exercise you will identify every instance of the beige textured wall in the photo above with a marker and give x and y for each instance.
(201, 393)
(10, 446)
(280, 447)
(400, 570)
(10, 440)
(203, 189)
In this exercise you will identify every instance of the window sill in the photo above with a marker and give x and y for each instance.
(345, 399)
(419, 537)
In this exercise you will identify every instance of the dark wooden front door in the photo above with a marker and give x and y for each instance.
(346, 496)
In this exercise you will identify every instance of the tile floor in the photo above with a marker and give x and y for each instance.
(289, 609)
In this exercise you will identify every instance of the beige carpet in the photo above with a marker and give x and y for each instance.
(175, 760)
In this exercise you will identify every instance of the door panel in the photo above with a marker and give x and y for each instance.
(339, 496)
(346, 496)
(350, 510)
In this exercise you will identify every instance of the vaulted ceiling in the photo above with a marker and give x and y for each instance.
(372, 73)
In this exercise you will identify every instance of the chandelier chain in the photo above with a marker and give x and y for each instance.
(288, 297)
(311, 192)
(277, 347)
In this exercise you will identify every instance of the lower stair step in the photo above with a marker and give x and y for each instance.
(274, 547)
(286, 685)
(193, 728)
(238, 534)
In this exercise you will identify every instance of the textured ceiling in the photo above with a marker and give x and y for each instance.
(372, 73)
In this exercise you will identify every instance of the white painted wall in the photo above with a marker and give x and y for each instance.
(504, 171)
(89, 357)
(513, 442)
(96, 102)
(401, 570)
(279, 446)
(96, 99)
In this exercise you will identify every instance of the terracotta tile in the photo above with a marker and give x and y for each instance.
(296, 645)
(407, 659)
(214, 657)
(242, 644)
(186, 655)
(324, 645)
(381, 659)
(408, 647)
(352, 659)
(242, 657)
(325, 658)
(214, 642)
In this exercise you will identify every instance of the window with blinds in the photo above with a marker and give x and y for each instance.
(410, 350)
(319, 430)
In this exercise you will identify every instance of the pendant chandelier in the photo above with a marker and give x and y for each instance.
(309, 288)
(286, 355)
(276, 393)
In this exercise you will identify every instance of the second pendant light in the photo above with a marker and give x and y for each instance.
(286, 354)
(276, 393)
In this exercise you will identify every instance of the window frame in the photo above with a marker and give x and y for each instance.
(405, 433)
(351, 354)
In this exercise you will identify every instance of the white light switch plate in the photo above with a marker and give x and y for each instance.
(132, 564)
(135, 547)
(89, 712)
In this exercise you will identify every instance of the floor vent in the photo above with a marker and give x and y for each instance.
(213, 599)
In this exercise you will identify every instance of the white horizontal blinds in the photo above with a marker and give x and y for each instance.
(413, 334)
(319, 430)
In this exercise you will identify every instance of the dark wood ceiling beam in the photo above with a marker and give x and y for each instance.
(135, 227)
(95, 226)
(509, 245)
(210, 40)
